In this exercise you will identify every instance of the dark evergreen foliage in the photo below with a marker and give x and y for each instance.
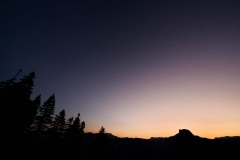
(15, 101)
(44, 117)
(102, 130)
(37, 102)
(102, 148)
(75, 127)
(69, 124)
(27, 83)
(59, 122)
(18, 112)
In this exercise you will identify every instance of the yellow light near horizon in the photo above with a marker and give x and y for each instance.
(204, 99)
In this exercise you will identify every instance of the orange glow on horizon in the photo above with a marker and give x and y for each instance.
(201, 99)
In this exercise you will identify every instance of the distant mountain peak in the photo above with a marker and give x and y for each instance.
(185, 132)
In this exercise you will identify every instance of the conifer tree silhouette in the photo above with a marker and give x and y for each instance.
(82, 127)
(15, 101)
(46, 111)
(101, 150)
(76, 127)
(37, 102)
(102, 130)
(4, 85)
(69, 124)
(27, 84)
(59, 122)
(101, 137)
(74, 134)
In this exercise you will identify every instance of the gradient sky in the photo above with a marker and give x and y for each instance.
(138, 68)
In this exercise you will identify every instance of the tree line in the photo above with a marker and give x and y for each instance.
(44, 120)
(21, 114)
(15, 97)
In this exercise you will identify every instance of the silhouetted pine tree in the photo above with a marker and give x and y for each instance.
(15, 101)
(101, 145)
(102, 130)
(82, 127)
(26, 83)
(101, 140)
(4, 85)
(59, 122)
(46, 111)
(69, 124)
(103, 150)
(37, 102)
(74, 134)
(77, 127)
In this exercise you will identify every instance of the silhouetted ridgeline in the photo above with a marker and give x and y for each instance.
(33, 132)
(182, 145)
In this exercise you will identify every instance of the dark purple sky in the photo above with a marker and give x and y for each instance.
(138, 68)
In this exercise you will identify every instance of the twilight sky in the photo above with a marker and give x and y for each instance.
(138, 68)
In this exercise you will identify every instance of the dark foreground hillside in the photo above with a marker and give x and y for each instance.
(94, 146)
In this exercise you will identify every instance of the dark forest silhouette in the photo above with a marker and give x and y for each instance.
(32, 130)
